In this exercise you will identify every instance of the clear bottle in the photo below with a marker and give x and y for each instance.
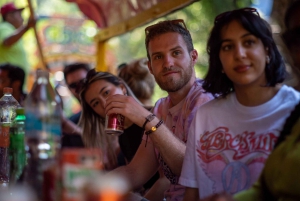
(8, 105)
(17, 146)
(42, 130)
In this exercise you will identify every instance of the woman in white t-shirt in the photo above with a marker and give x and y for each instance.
(232, 136)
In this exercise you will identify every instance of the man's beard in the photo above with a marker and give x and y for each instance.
(172, 85)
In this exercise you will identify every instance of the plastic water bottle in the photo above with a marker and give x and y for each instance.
(8, 106)
(17, 147)
(42, 130)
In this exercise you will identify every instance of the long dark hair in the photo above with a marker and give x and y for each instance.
(217, 82)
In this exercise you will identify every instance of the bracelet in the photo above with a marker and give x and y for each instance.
(154, 128)
(149, 118)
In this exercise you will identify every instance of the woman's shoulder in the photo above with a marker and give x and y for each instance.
(287, 88)
(289, 93)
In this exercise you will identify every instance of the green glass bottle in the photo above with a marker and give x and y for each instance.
(17, 146)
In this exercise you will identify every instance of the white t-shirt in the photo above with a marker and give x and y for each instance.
(229, 143)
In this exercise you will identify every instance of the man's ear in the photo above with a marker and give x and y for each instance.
(194, 56)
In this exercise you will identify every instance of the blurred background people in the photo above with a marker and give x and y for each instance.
(74, 73)
(12, 30)
(138, 77)
(12, 76)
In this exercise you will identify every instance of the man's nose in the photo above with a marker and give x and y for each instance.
(168, 61)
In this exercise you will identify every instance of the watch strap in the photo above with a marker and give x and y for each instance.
(149, 118)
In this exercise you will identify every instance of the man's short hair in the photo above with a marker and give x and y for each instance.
(167, 27)
(70, 68)
(15, 73)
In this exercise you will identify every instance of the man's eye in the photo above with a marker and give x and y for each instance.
(177, 52)
(157, 57)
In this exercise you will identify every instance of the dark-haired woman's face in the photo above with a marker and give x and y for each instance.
(98, 91)
(243, 56)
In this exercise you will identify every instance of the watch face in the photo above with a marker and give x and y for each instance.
(150, 117)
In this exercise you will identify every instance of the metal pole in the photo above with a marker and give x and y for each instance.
(42, 59)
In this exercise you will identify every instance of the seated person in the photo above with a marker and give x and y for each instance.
(232, 136)
(74, 73)
(94, 90)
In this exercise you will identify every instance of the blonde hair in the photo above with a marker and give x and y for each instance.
(92, 124)
(138, 77)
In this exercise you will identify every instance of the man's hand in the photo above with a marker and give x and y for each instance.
(18, 33)
(31, 22)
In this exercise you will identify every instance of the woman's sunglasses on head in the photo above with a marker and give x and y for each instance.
(178, 21)
(222, 16)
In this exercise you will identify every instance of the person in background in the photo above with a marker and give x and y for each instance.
(12, 30)
(138, 77)
(12, 76)
(74, 73)
(232, 136)
(172, 58)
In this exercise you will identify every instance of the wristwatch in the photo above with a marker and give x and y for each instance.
(149, 118)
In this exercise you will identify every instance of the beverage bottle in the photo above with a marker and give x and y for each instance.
(17, 146)
(42, 130)
(8, 105)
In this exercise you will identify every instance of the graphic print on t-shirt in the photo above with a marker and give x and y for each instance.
(233, 161)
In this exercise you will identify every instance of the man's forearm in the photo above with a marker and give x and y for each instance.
(170, 147)
(12, 39)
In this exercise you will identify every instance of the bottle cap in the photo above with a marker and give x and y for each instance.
(20, 111)
(7, 90)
